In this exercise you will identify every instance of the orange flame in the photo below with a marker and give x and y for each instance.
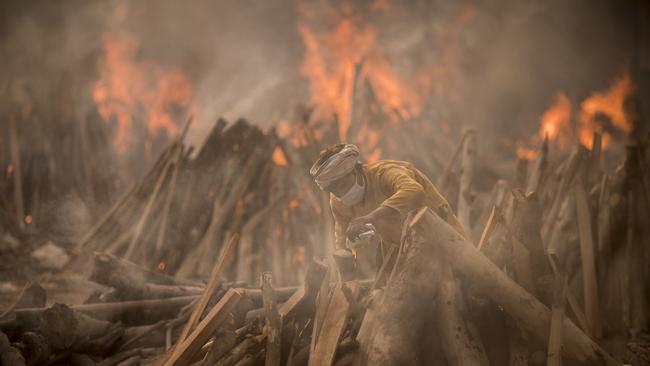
(609, 103)
(127, 85)
(524, 152)
(554, 123)
(329, 65)
(279, 158)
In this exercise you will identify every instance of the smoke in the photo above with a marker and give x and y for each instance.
(501, 62)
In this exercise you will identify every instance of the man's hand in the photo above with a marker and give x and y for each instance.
(358, 225)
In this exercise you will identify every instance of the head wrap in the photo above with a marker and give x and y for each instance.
(336, 166)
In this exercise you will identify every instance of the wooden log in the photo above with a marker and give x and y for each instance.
(212, 285)
(333, 324)
(521, 305)
(132, 281)
(176, 150)
(225, 340)
(224, 208)
(322, 303)
(107, 265)
(273, 322)
(588, 260)
(8, 354)
(130, 312)
(32, 295)
(216, 318)
(248, 345)
(117, 358)
(555, 338)
(460, 347)
(139, 226)
(565, 184)
(538, 173)
(67, 329)
(168, 202)
(466, 194)
(393, 326)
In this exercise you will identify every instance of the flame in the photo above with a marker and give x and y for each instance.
(28, 219)
(555, 121)
(128, 86)
(609, 103)
(329, 65)
(279, 158)
(10, 170)
(161, 266)
(524, 152)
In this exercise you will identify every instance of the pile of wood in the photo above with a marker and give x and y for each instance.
(568, 233)
(551, 236)
(144, 317)
(178, 216)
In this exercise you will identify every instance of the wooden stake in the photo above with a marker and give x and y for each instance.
(219, 314)
(273, 322)
(333, 325)
(209, 289)
(554, 355)
(589, 278)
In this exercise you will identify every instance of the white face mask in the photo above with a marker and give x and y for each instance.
(354, 195)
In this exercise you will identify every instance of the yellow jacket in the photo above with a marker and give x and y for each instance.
(395, 184)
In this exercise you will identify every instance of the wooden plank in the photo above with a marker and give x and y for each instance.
(273, 322)
(334, 322)
(554, 357)
(212, 285)
(219, 314)
(590, 282)
(322, 303)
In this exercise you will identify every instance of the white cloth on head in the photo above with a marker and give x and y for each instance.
(336, 166)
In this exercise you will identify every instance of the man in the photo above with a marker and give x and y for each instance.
(379, 193)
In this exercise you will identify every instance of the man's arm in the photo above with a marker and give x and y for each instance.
(407, 195)
(341, 222)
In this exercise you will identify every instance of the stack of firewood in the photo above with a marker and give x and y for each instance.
(176, 218)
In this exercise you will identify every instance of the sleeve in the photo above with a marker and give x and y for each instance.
(407, 195)
(341, 221)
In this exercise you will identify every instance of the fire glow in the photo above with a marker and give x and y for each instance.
(557, 123)
(130, 89)
(329, 65)
(609, 103)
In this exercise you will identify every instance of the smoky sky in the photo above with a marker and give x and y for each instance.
(243, 57)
